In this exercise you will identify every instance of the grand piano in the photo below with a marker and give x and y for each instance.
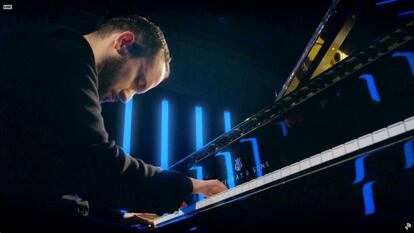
(334, 151)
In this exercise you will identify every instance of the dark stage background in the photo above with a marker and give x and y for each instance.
(227, 56)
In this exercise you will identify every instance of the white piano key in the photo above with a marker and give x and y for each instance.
(168, 217)
(238, 190)
(234, 192)
(208, 202)
(244, 187)
(248, 184)
(304, 164)
(225, 195)
(213, 199)
(409, 123)
(380, 135)
(396, 129)
(365, 141)
(276, 175)
(203, 201)
(268, 178)
(326, 155)
(285, 172)
(228, 192)
(252, 184)
(315, 160)
(351, 146)
(260, 181)
(200, 204)
(338, 151)
(218, 198)
(294, 168)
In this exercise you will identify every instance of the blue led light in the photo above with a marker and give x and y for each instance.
(127, 126)
(372, 88)
(229, 167)
(227, 121)
(199, 127)
(199, 176)
(193, 228)
(385, 2)
(284, 128)
(360, 169)
(123, 211)
(164, 133)
(410, 58)
(256, 154)
(406, 13)
(368, 196)
(409, 154)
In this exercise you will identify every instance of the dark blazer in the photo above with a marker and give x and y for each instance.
(53, 139)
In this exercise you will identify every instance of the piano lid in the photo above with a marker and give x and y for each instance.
(347, 27)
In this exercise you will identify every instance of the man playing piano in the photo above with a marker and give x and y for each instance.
(54, 144)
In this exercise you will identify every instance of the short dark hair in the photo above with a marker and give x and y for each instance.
(150, 39)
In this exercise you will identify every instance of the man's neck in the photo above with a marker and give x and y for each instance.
(97, 48)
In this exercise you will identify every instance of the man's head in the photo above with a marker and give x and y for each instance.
(131, 56)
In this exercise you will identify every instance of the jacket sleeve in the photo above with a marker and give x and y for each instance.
(94, 167)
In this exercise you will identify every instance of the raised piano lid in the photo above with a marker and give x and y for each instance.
(323, 132)
(347, 27)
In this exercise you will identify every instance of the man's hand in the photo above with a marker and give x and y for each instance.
(139, 219)
(207, 187)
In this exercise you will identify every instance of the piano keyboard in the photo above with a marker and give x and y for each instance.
(313, 161)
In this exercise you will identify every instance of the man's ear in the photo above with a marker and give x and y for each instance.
(123, 42)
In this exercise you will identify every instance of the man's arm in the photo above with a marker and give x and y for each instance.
(94, 167)
(102, 170)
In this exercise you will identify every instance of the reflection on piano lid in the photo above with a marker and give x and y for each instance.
(347, 27)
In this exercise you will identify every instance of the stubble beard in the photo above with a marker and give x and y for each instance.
(108, 74)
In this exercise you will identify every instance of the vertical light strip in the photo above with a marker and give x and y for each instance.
(199, 176)
(127, 126)
(256, 154)
(164, 133)
(409, 154)
(227, 121)
(199, 127)
(410, 59)
(372, 87)
(360, 169)
(284, 128)
(367, 193)
(368, 196)
(199, 142)
(229, 167)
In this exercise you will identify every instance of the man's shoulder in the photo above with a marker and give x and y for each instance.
(51, 38)
(65, 38)
(48, 50)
